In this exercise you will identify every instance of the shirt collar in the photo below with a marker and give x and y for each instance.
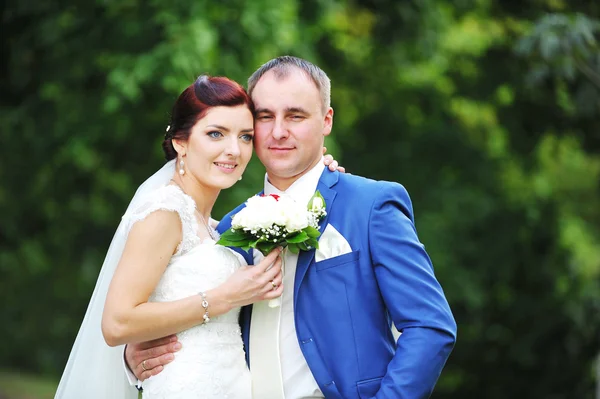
(302, 189)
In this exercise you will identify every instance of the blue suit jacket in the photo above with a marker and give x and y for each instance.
(344, 306)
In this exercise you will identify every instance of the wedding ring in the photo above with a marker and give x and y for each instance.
(144, 366)
(274, 285)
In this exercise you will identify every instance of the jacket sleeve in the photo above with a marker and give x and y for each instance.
(413, 296)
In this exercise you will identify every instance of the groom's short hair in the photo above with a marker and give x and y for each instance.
(284, 65)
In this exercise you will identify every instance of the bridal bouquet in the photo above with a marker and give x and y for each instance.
(269, 221)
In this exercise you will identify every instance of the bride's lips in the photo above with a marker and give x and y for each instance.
(226, 167)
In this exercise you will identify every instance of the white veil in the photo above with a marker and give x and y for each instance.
(95, 370)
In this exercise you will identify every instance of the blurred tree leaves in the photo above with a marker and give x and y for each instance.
(488, 112)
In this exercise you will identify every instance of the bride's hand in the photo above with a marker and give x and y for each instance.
(251, 284)
(328, 160)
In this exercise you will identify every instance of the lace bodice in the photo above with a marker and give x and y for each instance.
(168, 198)
(211, 363)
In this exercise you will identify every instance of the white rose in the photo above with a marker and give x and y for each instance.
(294, 215)
(241, 220)
(265, 212)
(257, 214)
(296, 221)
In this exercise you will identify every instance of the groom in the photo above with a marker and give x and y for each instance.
(332, 335)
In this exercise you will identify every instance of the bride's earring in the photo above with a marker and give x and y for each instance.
(240, 178)
(181, 170)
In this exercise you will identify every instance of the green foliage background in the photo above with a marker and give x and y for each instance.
(487, 111)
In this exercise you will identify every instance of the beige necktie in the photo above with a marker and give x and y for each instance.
(265, 366)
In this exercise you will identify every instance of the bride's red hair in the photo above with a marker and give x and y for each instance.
(193, 103)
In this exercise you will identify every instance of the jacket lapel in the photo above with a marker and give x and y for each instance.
(328, 179)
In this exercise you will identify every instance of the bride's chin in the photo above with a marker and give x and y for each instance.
(227, 184)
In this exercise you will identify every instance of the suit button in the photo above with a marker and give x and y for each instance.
(307, 341)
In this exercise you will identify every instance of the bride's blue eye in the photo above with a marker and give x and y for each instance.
(215, 134)
(247, 137)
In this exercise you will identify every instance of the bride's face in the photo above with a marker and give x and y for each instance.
(219, 147)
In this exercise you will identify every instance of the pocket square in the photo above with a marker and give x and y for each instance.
(331, 244)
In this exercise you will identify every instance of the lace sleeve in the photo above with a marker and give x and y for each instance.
(168, 198)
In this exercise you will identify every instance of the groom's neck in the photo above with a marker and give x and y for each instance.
(283, 183)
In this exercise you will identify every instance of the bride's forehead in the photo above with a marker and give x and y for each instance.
(235, 116)
(223, 111)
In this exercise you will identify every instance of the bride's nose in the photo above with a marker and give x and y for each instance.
(233, 147)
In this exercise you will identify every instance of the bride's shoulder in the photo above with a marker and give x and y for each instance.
(168, 193)
(168, 197)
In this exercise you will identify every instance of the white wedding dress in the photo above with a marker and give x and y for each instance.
(211, 363)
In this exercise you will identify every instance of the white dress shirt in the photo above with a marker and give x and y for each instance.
(298, 381)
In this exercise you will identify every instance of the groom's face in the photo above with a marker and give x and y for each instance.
(290, 125)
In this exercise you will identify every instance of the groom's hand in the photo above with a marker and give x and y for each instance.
(330, 162)
(146, 359)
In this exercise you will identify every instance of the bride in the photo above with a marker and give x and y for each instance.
(163, 273)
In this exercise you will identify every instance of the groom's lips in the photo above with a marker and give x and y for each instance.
(281, 150)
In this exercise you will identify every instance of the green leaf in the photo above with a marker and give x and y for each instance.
(301, 236)
(312, 232)
(313, 243)
(235, 244)
(265, 248)
(234, 236)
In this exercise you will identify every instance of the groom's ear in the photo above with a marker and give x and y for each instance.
(328, 122)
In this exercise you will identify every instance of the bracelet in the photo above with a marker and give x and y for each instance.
(205, 306)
